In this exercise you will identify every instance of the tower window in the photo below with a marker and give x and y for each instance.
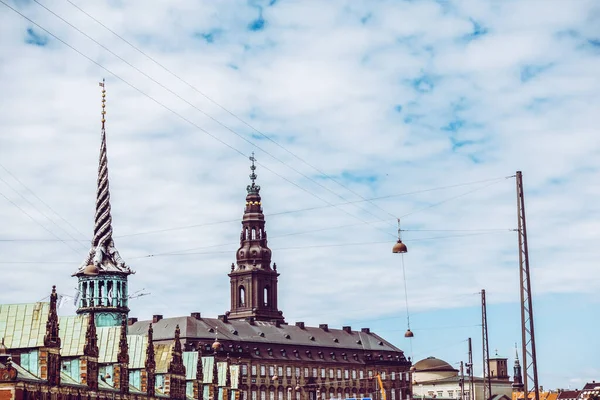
(266, 295)
(242, 296)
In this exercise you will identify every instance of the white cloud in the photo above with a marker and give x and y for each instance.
(325, 80)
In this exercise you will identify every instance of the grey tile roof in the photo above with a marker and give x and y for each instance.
(263, 333)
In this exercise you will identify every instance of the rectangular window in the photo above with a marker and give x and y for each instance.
(440, 393)
(254, 370)
(315, 373)
(271, 395)
(263, 395)
(298, 372)
(280, 371)
(244, 369)
(383, 375)
(451, 393)
(289, 395)
(254, 396)
(280, 395)
(288, 371)
(370, 373)
(393, 394)
(393, 376)
(263, 370)
(339, 374)
(354, 375)
(323, 373)
(271, 370)
(361, 374)
(297, 395)
(306, 372)
(346, 374)
(331, 373)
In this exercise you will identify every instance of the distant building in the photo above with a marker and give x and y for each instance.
(590, 391)
(435, 378)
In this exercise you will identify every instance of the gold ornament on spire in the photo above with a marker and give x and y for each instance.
(103, 102)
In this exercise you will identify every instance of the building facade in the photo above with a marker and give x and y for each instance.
(248, 353)
(435, 378)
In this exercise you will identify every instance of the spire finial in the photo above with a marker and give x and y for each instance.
(103, 102)
(516, 352)
(253, 188)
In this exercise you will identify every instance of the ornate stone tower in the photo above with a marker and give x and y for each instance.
(253, 281)
(517, 385)
(103, 275)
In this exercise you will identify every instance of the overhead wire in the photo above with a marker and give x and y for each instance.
(274, 249)
(223, 108)
(178, 114)
(43, 202)
(312, 208)
(37, 222)
(79, 242)
(203, 112)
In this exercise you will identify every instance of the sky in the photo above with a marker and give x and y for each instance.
(359, 113)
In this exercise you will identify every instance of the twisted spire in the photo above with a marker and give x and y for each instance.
(103, 254)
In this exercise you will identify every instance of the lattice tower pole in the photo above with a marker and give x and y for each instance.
(487, 384)
(462, 382)
(527, 331)
(470, 371)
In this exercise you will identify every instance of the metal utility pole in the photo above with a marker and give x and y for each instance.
(470, 372)
(462, 382)
(527, 333)
(487, 384)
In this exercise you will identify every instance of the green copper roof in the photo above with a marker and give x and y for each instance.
(23, 325)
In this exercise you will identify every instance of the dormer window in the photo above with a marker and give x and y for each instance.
(270, 351)
(332, 354)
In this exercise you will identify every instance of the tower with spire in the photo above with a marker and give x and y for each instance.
(517, 385)
(103, 274)
(253, 280)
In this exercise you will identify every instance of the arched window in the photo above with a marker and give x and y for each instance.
(242, 296)
(246, 233)
(266, 295)
(253, 233)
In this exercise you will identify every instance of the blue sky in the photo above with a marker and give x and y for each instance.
(341, 101)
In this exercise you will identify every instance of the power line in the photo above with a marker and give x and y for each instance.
(43, 202)
(275, 249)
(42, 213)
(202, 111)
(225, 109)
(37, 222)
(315, 208)
(176, 113)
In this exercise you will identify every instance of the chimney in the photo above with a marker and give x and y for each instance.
(278, 323)
(156, 318)
(365, 330)
(223, 318)
(300, 324)
(250, 320)
(347, 329)
(324, 327)
(131, 321)
(196, 315)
